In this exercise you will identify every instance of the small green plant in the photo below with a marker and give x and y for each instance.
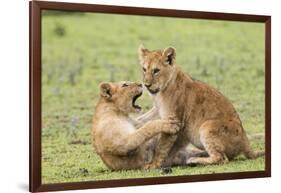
(59, 30)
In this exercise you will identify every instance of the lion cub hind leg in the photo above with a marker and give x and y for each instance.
(221, 140)
(180, 157)
(215, 158)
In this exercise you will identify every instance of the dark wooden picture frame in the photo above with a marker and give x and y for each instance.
(36, 8)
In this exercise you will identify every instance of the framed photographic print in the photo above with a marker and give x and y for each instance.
(125, 96)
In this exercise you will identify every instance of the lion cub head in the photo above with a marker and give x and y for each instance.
(122, 95)
(158, 67)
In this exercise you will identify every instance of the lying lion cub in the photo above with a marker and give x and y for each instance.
(208, 119)
(114, 133)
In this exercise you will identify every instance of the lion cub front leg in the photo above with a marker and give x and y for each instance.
(163, 148)
(152, 114)
(143, 134)
(164, 145)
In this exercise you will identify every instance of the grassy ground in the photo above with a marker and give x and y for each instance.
(81, 50)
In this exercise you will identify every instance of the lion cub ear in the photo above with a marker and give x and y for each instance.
(142, 53)
(169, 55)
(106, 90)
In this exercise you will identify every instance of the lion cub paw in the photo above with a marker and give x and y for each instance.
(149, 166)
(192, 162)
(152, 165)
(166, 170)
(170, 126)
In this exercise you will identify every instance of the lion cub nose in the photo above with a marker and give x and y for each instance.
(147, 85)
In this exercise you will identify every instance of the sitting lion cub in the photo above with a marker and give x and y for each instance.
(115, 135)
(207, 118)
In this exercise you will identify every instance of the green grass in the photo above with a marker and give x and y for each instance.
(81, 50)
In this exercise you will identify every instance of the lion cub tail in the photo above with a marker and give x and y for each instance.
(256, 136)
(254, 154)
(250, 153)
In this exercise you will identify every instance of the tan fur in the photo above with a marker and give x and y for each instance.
(115, 135)
(208, 119)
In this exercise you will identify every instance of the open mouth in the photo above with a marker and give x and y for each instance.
(134, 100)
(153, 91)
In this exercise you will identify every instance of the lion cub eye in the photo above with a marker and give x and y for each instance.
(156, 70)
(125, 85)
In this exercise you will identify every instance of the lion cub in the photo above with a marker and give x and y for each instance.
(208, 119)
(115, 135)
